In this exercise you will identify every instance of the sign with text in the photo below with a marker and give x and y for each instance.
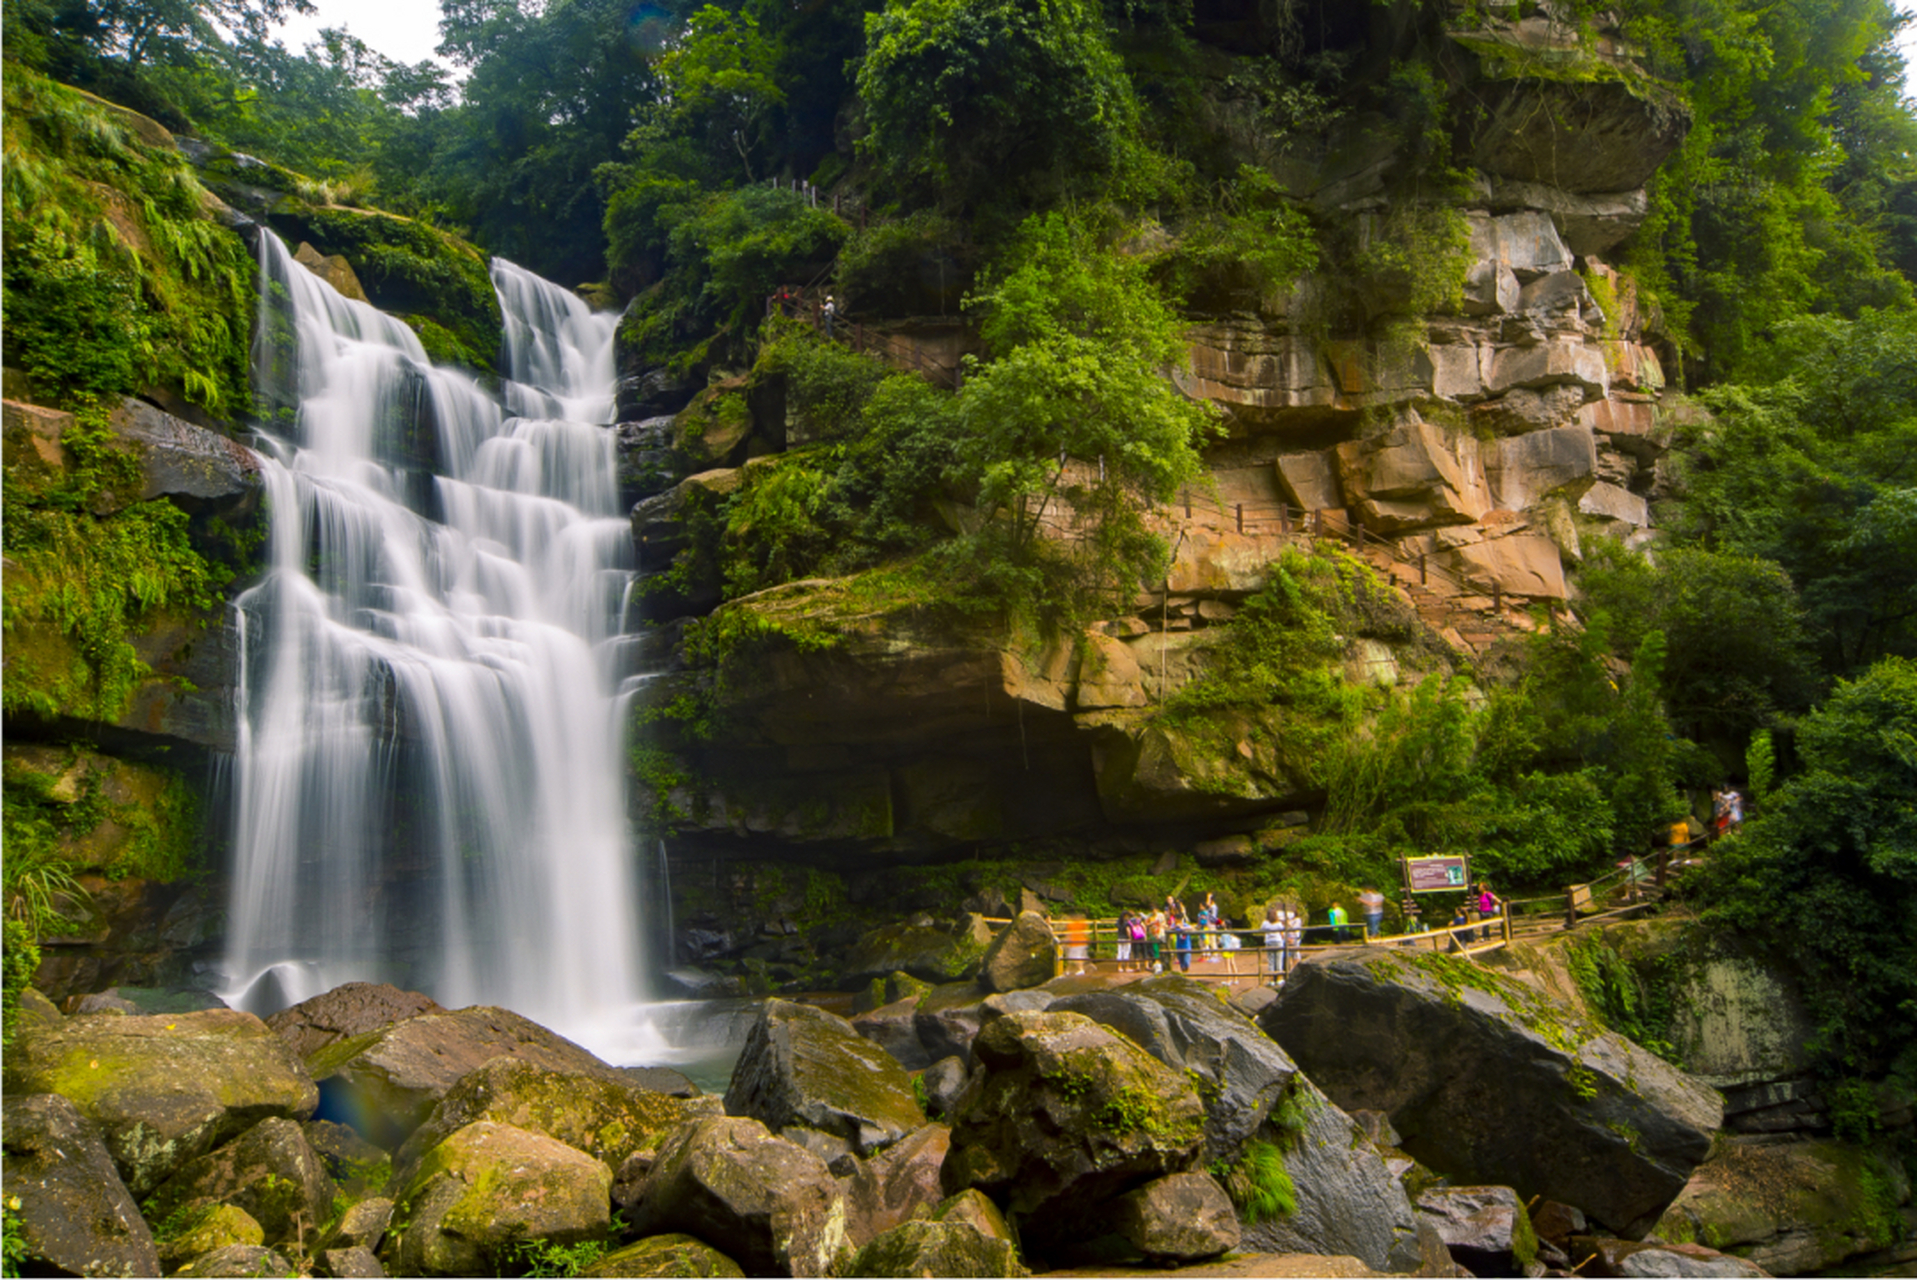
(1444, 873)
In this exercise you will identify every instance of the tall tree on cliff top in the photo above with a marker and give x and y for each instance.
(549, 100)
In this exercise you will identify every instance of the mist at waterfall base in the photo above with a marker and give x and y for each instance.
(428, 784)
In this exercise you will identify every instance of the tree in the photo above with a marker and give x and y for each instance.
(1826, 877)
(719, 83)
(988, 100)
(1075, 409)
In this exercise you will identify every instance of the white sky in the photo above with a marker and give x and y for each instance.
(403, 30)
(408, 30)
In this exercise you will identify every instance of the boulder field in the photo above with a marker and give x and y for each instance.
(1381, 1115)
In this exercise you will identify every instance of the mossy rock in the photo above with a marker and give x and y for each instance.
(163, 1090)
(601, 1115)
(804, 1066)
(1064, 1115)
(439, 283)
(476, 1196)
(922, 1248)
(94, 812)
(214, 1228)
(659, 1257)
(270, 1171)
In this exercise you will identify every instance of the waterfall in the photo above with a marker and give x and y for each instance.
(428, 786)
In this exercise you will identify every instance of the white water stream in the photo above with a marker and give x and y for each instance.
(429, 780)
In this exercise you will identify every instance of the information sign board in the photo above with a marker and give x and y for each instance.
(1443, 873)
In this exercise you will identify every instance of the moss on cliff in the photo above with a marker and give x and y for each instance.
(434, 280)
(80, 585)
(116, 276)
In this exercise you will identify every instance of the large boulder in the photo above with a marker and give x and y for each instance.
(487, 1188)
(1174, 1220)
(354, 1009)
(947, 1019)
(1183, 1023)
(1414, 476)
(664, 1257)
(929, 952)
(1608, 1257)
(896, 1184)
(922, 1248)
(894, 1028)
(1488, 1081)
(1794, 1208)
(1024, 954)
(269, 1171)
(1346, 1199)
(1064, 1114)
(804, 1066)
(163, 1090)
(386, 1082)
(599, 1113)
(1485, 1228)
(774, 1205)
(66, 1203)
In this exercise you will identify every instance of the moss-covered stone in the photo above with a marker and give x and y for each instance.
(270, 1172)
(801, 1065)
(437, 282)
(1064, 1115)
(599, 1114)
(474, 1197)
(660, 1257)
(923, 1248)
(89, 811)
(215, 1227)
(775, 1204)
(164, 1090)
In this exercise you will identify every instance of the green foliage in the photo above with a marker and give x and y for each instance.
(1736, 654)
(116, 278)
(998, 102)
(723, 254)
(1248, 246)
(79, 586)
(547, 1258)
(19, 960)
(1285, 648)
(418, 269)
(1259, 1184)
(719, 83)
(1760, 765)
(1762, 214)
(1637, 1002)
(1073, 426)
(1826, 873)
(918, 264)
(1413, 259)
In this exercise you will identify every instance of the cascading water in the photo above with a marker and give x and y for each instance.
(428, 784)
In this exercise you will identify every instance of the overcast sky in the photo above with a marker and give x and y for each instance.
(408, 30)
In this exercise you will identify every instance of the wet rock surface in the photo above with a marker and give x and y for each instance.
(1348, 1201)
(352, 1009)
(1183, 1023)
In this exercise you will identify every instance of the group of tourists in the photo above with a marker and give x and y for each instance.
(1170, 935)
